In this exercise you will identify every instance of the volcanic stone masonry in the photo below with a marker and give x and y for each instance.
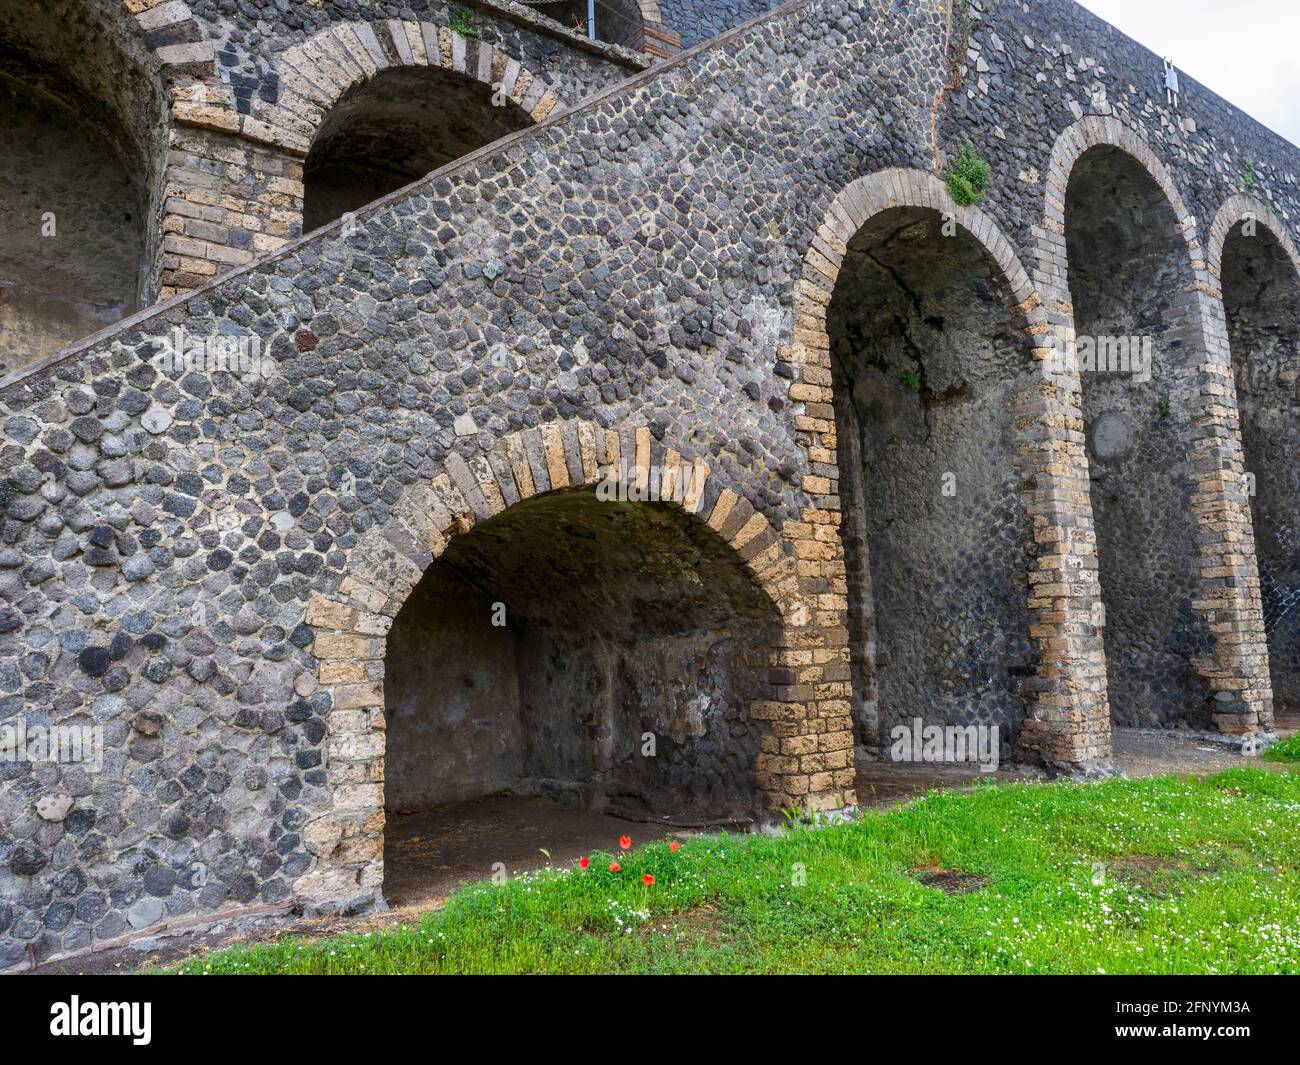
(683, 431)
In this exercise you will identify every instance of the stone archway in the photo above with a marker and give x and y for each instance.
(82, 142)
(272, 138)
(392, 130)
(1065, 722)
(804, 756)
(1256, 265)
(375, 107)
(315, 75)
(1184, 627)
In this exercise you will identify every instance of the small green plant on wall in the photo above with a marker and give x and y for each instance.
(967, 177)
(460, 23)
(1246, 179)
(1162, 408)
(911, 380)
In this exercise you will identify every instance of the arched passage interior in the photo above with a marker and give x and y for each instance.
(928, 371)
(1137, 333)
(1261, 298)
(596, 652)
(393, 129)
(82, 124)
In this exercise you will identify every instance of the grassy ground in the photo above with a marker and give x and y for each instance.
(1160, 875)
(1288, 750)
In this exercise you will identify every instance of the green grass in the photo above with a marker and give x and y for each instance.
(1195, 876)
(1287, 750)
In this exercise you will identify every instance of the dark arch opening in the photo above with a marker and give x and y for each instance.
(928, 370)
(392, 130)
(82, 129)
(1129, 278)
(597, 653)
(1261, 298)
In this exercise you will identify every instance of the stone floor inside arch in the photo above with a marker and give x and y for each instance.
(439, 440)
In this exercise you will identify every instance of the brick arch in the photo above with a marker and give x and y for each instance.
(1235, 210)
(1274, 505)
(1238, 670)
(849, 212)
(1068, 726)
(806, 758)
(1096, 131)
(314, 75)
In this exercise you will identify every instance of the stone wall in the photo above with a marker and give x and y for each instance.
(452, 697)
(248, 35)
(697, 21)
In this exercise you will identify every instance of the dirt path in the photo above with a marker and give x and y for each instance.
(428, 854)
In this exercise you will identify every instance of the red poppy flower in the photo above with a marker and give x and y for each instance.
(647, 879)
(625, 842)
(675, 846)
(583, 862)
(614, 867)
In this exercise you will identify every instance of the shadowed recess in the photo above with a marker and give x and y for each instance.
(928, 367)
(601, 653)
(1129, 272)
(392, 130)
(81, 128)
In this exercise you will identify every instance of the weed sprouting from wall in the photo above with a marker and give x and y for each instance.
(460, 23)
(967, 177)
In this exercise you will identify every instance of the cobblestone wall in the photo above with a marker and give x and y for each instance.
(702, 20)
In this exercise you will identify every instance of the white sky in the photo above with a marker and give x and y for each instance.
(1247, 51)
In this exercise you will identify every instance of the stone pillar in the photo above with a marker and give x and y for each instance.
(1228, 588)
(226, 201)
(1070, 724)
